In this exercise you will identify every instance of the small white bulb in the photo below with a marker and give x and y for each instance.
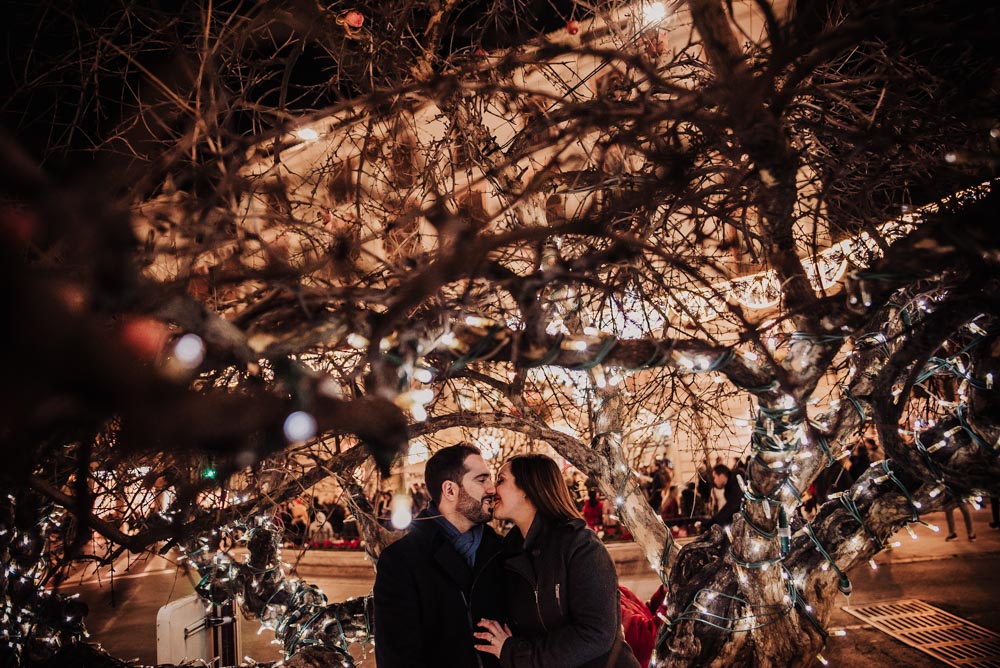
(189, 350)
(299, 426)
(357, 341)
(653, 12)
(402, 513)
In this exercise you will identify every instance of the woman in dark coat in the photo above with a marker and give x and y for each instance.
(560, 582)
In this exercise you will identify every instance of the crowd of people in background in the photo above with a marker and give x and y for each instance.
(329, 522)
(321, 522)
(687, 508)
(713, 497)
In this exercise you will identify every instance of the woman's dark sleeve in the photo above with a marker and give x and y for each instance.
(593, 613)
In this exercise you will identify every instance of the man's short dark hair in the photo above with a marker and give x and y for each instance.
(447, 464)
(721, 469)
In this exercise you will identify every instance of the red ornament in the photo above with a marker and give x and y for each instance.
(572, 27)
(144, 336)
(354, 19)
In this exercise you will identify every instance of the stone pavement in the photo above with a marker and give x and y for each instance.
(960, 577)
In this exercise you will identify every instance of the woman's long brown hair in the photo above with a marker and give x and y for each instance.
(539, 478)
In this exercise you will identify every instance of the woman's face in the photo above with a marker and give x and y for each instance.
(510, 502)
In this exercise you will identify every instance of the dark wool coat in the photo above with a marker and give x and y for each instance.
(562, 599)
(427, 599)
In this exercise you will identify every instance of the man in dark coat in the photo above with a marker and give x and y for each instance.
(723, 478)
(446, 572)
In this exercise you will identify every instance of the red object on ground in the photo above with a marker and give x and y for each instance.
(572, 27)
(640, 623)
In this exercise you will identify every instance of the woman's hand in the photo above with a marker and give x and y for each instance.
(492, 637)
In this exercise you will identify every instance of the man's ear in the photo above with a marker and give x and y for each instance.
(449, 490)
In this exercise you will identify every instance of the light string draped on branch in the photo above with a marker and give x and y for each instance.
(297, 611)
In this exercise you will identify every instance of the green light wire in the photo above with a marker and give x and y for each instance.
(928, 460)
(483, 349)
(799, 601)
(760, 532)
(771, 613)
(854, 402)
(960, 412)
(844, 582)
(902, 488)
(550, 355)
(852, 509)
(659, 356)
(754, 565)
(763, 389)
(606, 347)
(824, 445)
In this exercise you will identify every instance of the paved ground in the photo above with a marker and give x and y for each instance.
(960, 577)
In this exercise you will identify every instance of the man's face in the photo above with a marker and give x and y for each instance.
(475, 492)
(720, 479)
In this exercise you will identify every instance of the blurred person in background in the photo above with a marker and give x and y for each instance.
(593, 510)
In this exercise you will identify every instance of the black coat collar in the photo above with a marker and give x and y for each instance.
(436, 542)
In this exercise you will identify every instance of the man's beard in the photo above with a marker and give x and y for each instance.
(475, 511)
